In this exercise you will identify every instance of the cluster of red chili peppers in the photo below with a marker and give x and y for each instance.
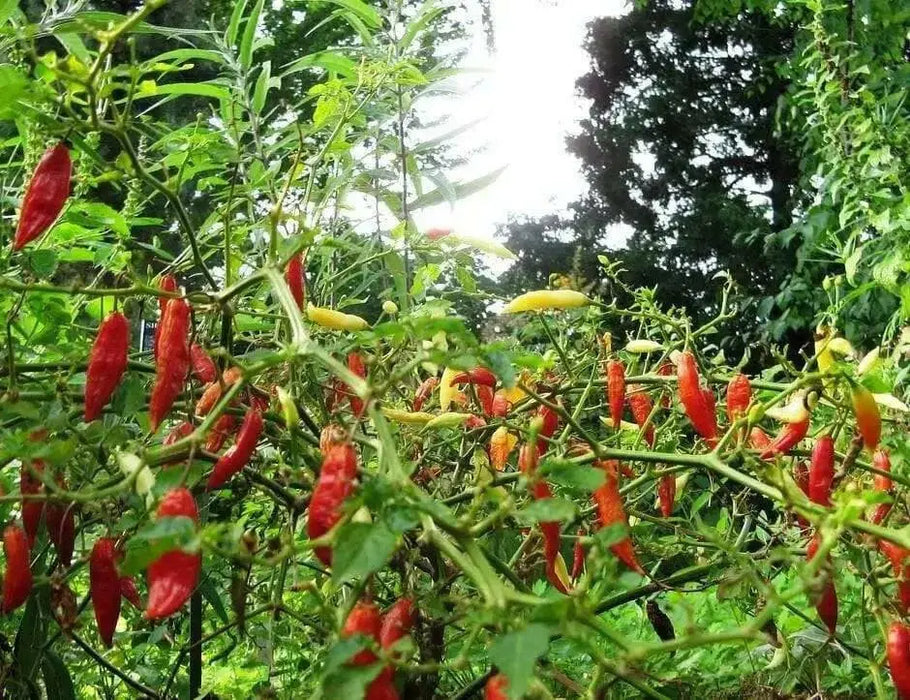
(382, 631)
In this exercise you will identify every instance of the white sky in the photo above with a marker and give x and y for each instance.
(527, 101)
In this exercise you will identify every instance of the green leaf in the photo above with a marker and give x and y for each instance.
(7, 8)
(149, 88)
(578, 477)
(516, 654)
(460, 190)
(249, 34)
(607, 536)
(151, 542)
(57, 680)
(43, 262)
(350, 681)
(327, 60)
(210, 593)
(360, 549)
(31, 636)
(261, 91)
(230, 36)
(362, 10)
(547, 510)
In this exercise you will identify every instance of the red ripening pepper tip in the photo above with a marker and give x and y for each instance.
(104, 587)
(61, 526)
(786, 439)
(801, 477)
(501, 405)
(129, 591)
(666, 494)
(221, 431)
(45, 195)
(549, 423)
(240, 452)
(173, 362)
(335, 484)
(527, 463)
(821, 471)
(107, 363)
(578, 556)
(32, 510)
(423, 393)
(364, 619)
(212, 392)
(355, 364)
(610, 511)
(17, 581)
(616, 391)
(173, 576)
(826, 603)
(496, 688)
(899, 657)
(478, 375)
(881, 460)
(759, 439)
(167, 283)
(900, 563)
(203, 365)
(396, 624)
(641, 406)
(694, 400)
(295, 277)
(868, 419)
(739, 396)
(485, 399)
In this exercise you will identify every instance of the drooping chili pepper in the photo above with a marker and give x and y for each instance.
(107, 363)
(203, 365)
(543, 299)
(786, 439)
(578, 556)
(826, 601)
(610, 511)
(423, 393)
(801, 477)
(900, 563)
(17, 579)
(167, 283)
(45, 195)
(181, 431)
(129, 591)
(899, 657)
(478, 375)
(173, 361)
(868, 418)
(502, 442)
(660, 621)
(335, 320)
(501, 405)
(240, 452)
(484, 398)
(473, 422)
(104, 588)
(32, 509)
(821, 471)
(616, 391)
(497, 688)
(212, 392)
(294, 276)
(665, 370)
(641, 407)
(692, 398)
(365, 620)
(355, 364)
(221, 431)
(61, 525)
(549, 424)
(173, 576)
(258, 399)
(739, 396)
(396, 624)
(335, 484)
(880, 460)
(666, 494)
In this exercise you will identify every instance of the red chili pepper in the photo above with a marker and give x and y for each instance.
(899, 657)
(821, 471)
(203, 365)
(616, 391)
(641, 406)
(173, 361)
(396, 623)
(693, 399)
(548, 426)
(221, 431)
(478, 375)
(32, 510)
(739, 396)
(365, 620)
(900, 563)
(17, 581)
(211, 395)
(880, 460)
(787, 439)
(497, 688)
(240, 452)
(826, 603)
(527, 462)
(610, 511)
(801, 477)
(173, 576)
(335, 484)
(61, 526)
(501, 405)
(129, 591)
(868, 419)
(104, 587)
(296, 279)
(759, 439)
(665, 370)
(107, 363)
(355, 364)
(578, 556)
(485, 399)
(666, 494)
(167, 283)
(423, 392)
(45, 195)
(181, 431)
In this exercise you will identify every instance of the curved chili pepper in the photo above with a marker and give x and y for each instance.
(296, 279)
(666, 494)
(868, 418)
(167, 283)
(549, 424)
(173, 576)
(203, 365)
(212, 392)
(485, 399)
(478, 375)
(396, 624)
(17, 581)
(739, 396)
(129, 591)
(335, 484)
(221, 431)
(61, 526)
(899, 657)
(179, 432)
(821, 471)
(173, 361)
(881, 460)
(610, 511)
(826, 603)
(786, 439)
(693, 399)
(423, 393)
(641, 407)
(900, 563)
(497, 688)
(527, 463)
(616, 391)
(240, 452)
(104, 588)
(364, 619)
(578, 556)
(501, 405)
(355, 364)
(32, 509)
(107, 363)
(45, 196)
(759, 439)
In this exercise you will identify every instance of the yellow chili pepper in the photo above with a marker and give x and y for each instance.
(336, 320)
(546, 299)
